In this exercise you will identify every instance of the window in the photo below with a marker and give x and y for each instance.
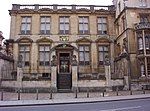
(144, 19)
(147, 42)
(140, 42)
(102, 25)
(84, 55)
(45, 25)
(25, 25)
(142, 70)
(103, 52)
(119, 7)
(143, 3)
(44, 55)
(64, 25)
(83, 25)
(24, 51)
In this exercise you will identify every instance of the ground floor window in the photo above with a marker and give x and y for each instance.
(84, 55)
(102, 52)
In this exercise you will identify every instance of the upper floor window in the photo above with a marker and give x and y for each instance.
(103, 51)
(144, 19)
(24, 51)
(64, 25)
(84, 55)
(44, 55)
(83, 25)
(26, 25)
(140, 40)
(45, 25)
(102, 25)
(143, 3)
(147, 40)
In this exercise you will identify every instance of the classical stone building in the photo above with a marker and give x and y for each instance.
(67, 46)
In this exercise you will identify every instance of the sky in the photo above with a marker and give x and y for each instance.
(7, 5)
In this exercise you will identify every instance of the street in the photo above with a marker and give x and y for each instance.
(126, 105)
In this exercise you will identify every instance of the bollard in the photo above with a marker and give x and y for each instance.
(130, 92)
(37, 94)
(18, 94)
(2, 96)
(88, 93)
(143, 90)
(76, 93)
(51, 94)
(103, 93)
(117, 91)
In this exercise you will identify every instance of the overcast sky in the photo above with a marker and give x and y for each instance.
(7, 5)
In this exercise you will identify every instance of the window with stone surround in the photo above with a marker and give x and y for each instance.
(44, 55)
(84, 25)
(45, 25)
(26, 25)
(84, 55)
(103, 51)
(102, 25)
(64, 25)
(24, 51)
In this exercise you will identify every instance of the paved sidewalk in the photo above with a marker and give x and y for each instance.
(71, 100)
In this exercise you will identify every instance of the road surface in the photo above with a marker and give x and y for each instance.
(126, 105)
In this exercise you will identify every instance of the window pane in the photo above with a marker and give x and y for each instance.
(61, 26)
(86, 48)
(28, 19)
(47, 48)
(41, 48)
(23, 26)
(66, 20)
(23, 19)
(27, 48)
(105, 48)
(46, 56)
(81, 27)
(47, 26)
(43, 19)
(28, 27)
(48, 20)
(42, 26)
(61, 19)
(100, 48)
(66, 26)
(85, 20)
(103, 20)
(41, 56)
(101, 57)
(85, 26)
(80, 20)
(81, 55)
(100, 27)
(27, 56)
(81, 48)
(87, 58)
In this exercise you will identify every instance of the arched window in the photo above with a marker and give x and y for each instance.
(147, 42)
(142, 70)
(140, 43)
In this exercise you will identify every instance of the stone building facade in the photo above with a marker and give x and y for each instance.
(66, 46)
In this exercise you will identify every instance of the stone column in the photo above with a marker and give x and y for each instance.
(54, 73)
(74, 73)
(19, 72)
(19, 77)
(107, 72)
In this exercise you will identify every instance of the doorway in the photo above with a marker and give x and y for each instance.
(64, 77)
